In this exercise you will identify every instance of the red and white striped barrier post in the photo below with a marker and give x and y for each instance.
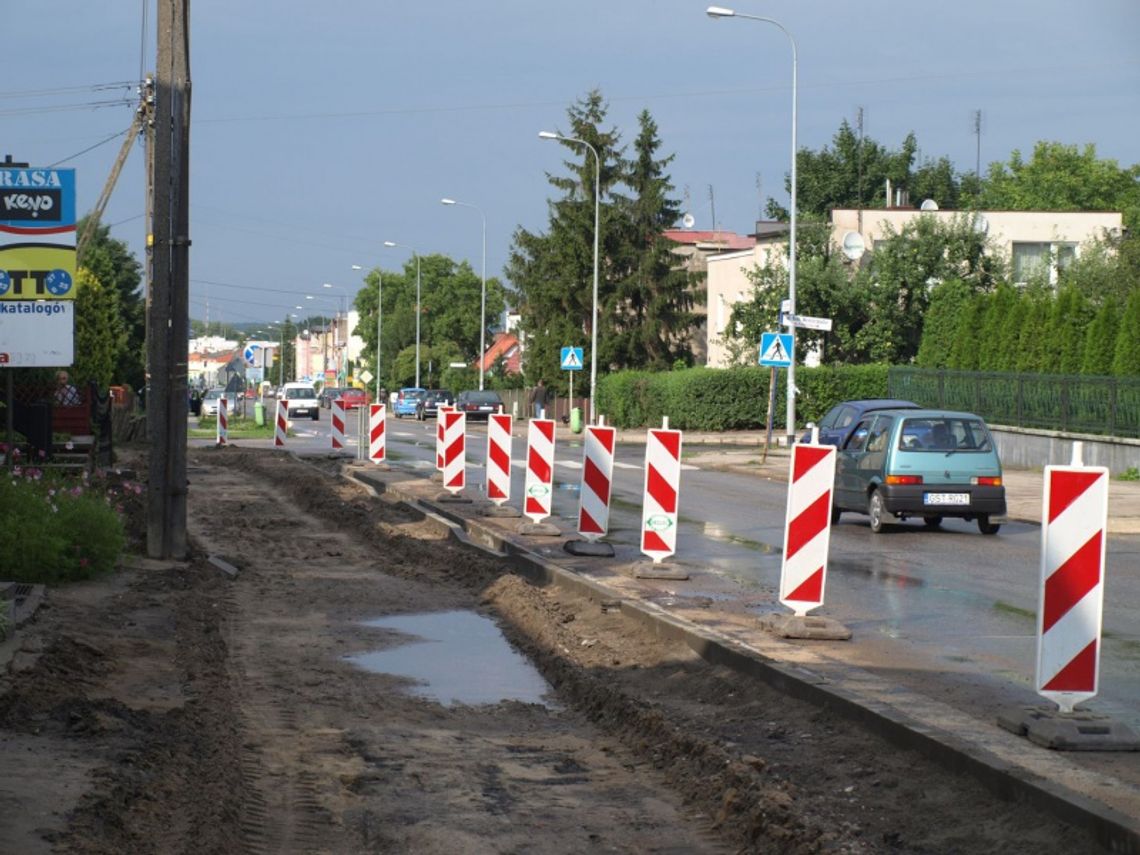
(377, 421)
(1074, 518)
(661, 493)
(282, 426)
(337, 424)
(440, 410)
(807, 527)
(454, 451)
(223, 421)
(597, 481)
(539, 469)
(499, 458)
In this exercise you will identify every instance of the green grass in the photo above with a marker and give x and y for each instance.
(1129, 474)
(243, 429)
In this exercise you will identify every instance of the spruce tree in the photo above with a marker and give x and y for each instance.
(650, 311)
(553, 272)
(100, 334)
(948, 300)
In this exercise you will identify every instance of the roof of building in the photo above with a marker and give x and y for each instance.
(719, 239)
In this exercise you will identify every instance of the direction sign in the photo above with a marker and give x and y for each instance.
(807, 322)
(776, 349)
(571, 359)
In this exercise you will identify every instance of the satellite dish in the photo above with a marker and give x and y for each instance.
(981, 224)
(853, 246)
(928, 205)
(688, 221)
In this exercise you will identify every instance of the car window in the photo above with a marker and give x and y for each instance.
(858, 438)
(945, 433)
(300, 392)
(835, 415)
(879, 435)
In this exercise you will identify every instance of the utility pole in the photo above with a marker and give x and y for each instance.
(978, 134)
(168, 311)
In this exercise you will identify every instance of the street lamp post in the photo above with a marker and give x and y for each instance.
(416, 255)
(550, 135)
(483, 292)
(721, 12)
(379, 321)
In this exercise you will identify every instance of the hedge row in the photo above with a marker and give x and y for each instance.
(733, 398)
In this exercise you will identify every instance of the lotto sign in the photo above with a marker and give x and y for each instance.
(807, 531)
(499, 458)
(37, 208)
(454, 451)
(377, 418)
(597, 478)
(1071, 603)
(662, 491)
(539, 469)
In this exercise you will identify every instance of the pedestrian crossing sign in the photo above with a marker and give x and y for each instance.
(776, 349)
(571, 359)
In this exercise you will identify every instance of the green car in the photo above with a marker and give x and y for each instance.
(929, 464)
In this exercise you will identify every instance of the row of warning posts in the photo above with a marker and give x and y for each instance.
(1072, 567)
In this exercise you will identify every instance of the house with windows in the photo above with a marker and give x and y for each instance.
(1035, 243)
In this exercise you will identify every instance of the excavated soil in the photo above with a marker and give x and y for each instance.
(171, 708)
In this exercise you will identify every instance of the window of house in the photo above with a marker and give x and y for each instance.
(1041, 260)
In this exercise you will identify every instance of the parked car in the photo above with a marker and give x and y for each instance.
(836, 426)
(327, 395)
(406, 400)
(210, 401)
(931, 464)
(353, 398)
(428, 406)
(478, 404)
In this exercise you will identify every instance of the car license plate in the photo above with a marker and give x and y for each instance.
(946, 498)
(301, 411)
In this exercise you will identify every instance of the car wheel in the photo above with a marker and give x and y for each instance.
(987, 527)
(932, 521)
(876, 509)
(836, 513)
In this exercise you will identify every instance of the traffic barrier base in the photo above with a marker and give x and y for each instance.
(1079, 730)
(589, 548)
(811, 627)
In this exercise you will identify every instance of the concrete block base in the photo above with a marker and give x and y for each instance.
(540, 529)
(500, 511)
(815, 628)
(662, 570)
(589, 548)
(452, 499)
(1076, 731)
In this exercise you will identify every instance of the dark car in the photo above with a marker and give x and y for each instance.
(353, 398)
(328, 394)
(428, 406)
(479, 404)
(835, 428)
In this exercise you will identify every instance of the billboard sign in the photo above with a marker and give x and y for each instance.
(37, 234)
(37, 334)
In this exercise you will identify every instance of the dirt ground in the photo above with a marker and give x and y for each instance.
(171, 708)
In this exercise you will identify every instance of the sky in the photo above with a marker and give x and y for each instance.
(320, 131)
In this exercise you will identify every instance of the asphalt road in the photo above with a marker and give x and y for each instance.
(952, 600)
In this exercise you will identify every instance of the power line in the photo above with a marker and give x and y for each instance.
(113, 136)
(67, 90)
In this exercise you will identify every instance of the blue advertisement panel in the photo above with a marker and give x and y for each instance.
(37, 201)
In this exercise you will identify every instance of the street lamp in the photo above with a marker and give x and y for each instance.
(550, 135)
(483, 293)
(379, 321)
(721, 12)
(416, 255)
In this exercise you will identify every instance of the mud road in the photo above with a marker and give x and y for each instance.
(172, 708)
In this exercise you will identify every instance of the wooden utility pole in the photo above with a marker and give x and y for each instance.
(168, 315)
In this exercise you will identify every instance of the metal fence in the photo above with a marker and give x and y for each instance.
(1109, 406)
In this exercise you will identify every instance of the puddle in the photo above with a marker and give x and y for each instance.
(719, 532)
(456, 657)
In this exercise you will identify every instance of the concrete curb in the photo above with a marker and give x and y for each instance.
(1000, 761)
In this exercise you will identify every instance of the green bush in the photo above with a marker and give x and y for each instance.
(55, 529)
(732, 398)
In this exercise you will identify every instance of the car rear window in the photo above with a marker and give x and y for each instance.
(301, 392)
(484, 398)
(949, 433)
